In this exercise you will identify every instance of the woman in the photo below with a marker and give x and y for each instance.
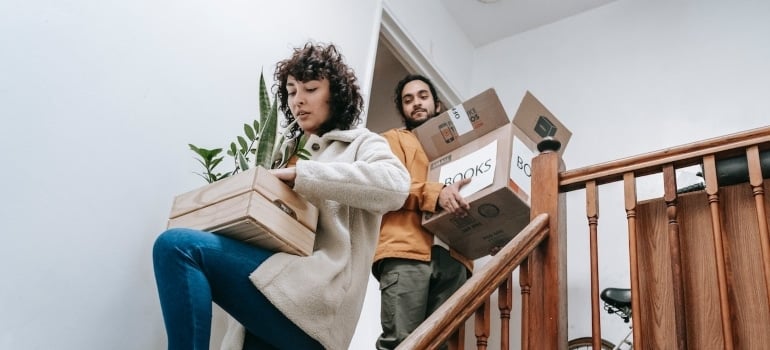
(279, 300)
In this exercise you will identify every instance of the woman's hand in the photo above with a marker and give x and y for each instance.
(287, 175)
(450, 199)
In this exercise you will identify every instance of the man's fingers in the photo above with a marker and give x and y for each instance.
(448, 204)
(455, 202)
(463, 182)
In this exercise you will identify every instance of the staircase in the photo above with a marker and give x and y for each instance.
(699, 261)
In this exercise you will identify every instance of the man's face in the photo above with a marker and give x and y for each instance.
(417, 104)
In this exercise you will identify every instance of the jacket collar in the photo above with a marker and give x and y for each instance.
(340, 135)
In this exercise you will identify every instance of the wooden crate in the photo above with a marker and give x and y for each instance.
(253, 206)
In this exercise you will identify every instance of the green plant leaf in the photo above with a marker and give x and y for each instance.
(264, 101)
(206, 155)
(216, 162)
(202, 152)
(244, 145)
(267, 137)
(201, 175)
(256, 126)
(249, 131)
(242, 162)
(214, 152)
(202, 163)
(303, 154)
(283, 150)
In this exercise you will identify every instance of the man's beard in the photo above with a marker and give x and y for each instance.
(411, 123)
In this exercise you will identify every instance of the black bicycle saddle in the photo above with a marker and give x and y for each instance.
(618, 297)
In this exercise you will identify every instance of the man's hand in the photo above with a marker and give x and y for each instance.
(287, 175)
(450, 199)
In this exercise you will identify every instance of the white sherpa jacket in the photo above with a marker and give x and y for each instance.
(353, 179)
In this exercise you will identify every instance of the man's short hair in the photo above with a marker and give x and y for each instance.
(400, 87)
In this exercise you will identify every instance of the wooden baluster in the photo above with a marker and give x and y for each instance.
(505, 304)
(712, 190)
(525, 288)
(757, 187)
(670, 197)
(457, 339)
(535, 310)
(482, 326)
(592, 212)
(629, 189)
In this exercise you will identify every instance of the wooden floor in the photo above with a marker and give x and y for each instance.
(749, 314)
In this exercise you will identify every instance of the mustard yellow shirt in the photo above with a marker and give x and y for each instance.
(401, 232)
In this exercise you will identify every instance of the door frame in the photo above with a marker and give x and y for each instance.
(411, 56)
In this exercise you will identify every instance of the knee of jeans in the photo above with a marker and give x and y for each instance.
(171, 239)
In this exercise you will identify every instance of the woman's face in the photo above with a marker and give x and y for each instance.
(308, 102)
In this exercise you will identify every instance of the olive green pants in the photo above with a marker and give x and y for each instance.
(411, 290)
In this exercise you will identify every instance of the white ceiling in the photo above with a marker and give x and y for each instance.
(488, 22)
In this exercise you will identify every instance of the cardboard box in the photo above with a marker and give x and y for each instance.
(253, 206)
(498, 194)
(483, 113)
(537, 122)
(461, 124)
(497, 155)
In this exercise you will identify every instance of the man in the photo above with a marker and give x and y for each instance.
(416, 270)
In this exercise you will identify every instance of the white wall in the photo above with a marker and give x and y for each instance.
(98, 101)
(434, 31)
(628, 78)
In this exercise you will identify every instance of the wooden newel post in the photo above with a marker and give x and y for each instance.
(547, 268)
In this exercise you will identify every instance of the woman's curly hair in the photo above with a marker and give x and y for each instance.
(315, 62)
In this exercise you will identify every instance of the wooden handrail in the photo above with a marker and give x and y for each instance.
(462, 304)
(651, 163)
(681, 311)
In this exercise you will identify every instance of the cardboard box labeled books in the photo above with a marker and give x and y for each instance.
(253, 206)
(499, 163)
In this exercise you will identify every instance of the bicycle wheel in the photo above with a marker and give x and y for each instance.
(586, 343)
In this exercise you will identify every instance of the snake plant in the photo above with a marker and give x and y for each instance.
(259, 146)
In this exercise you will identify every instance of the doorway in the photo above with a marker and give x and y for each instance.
(388, 70)
(397, 56)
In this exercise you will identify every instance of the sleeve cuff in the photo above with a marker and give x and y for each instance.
(430, 196)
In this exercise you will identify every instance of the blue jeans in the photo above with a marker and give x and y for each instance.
(195, 268)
